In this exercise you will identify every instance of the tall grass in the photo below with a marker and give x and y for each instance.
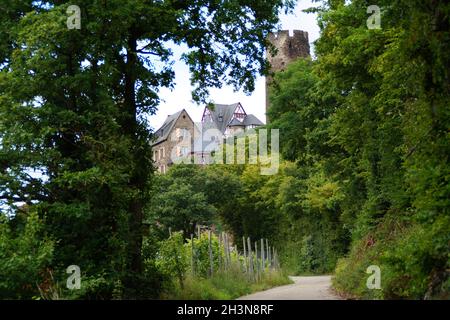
(224, 285)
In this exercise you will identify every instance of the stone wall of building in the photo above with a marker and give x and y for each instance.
(289, 48)
(165, 152)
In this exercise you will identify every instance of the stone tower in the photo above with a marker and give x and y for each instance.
(289, 49)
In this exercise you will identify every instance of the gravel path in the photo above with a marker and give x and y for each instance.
(303, 288)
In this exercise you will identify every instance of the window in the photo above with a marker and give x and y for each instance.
(163, 152)
(182, 151)
(181, 134)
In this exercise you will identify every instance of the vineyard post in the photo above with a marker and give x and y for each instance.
(245, 254)
(263, 265)
(256, 261)
(225, 254)
(250, 262)
(192, 255)
(273, 257)
(229, 250)
(220, 251)
(211, 265)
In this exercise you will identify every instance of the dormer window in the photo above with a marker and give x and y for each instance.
(220, 118)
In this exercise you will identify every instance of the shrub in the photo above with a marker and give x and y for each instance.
(412, 258)
(172, 259)
(25, 257)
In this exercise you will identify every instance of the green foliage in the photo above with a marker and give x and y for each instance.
(74, 139)
(367, 122)
(225, 286)
(181, 200)
(26, 255)
(202, 264)
(364, 126)
(405, 254)
(172, 259)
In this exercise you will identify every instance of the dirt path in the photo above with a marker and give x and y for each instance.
(303, 288)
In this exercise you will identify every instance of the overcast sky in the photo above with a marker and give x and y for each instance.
(180, 97)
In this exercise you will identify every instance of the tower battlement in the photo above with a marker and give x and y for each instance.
(289, 48)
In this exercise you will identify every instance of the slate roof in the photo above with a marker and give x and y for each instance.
(251, 119)
(163, 132)
(222, 115)
(236, 122)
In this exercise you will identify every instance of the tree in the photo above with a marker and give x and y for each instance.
(73, 106)
(389, 136)
(180, 208)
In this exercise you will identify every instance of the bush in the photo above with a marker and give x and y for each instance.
(202, 263)
(412, 258)
(172, 259)
(25, 257)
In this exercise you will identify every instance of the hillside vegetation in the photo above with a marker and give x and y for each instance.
(364, 176)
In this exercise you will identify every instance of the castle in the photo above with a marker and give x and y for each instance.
(179, 137)
(176, 138)
(289, 48)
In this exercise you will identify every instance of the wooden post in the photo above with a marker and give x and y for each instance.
(245, 255)
(220, 251)
(273, 256)
(263, 264)
(228, 250)
(270, 257)
(256, 261)
(224, 237)
(170, 232)
(250, 258)
(267, 252)
(192, 255)
(277, 262)
(211, 263)
(198, 231)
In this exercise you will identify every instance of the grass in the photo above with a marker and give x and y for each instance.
(224, 286)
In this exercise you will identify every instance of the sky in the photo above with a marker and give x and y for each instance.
(180, 97)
